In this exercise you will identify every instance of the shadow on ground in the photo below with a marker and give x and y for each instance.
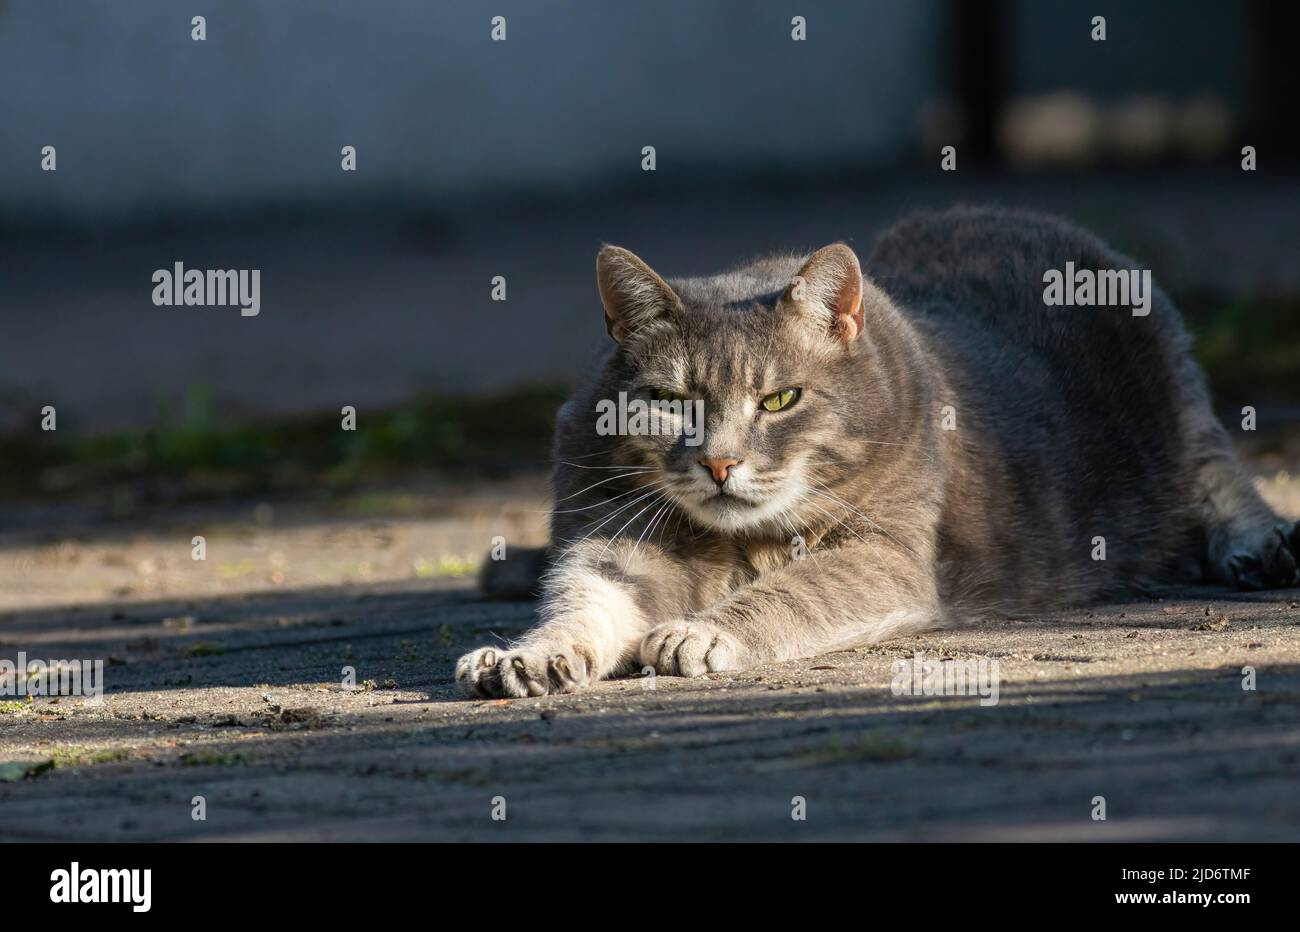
(1142, 704)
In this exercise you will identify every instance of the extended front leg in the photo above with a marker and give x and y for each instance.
(859, 593)
(597, 604)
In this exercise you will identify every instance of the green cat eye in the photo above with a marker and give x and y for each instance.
(778, 400)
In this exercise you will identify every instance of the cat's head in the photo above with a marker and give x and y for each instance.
(770, 355)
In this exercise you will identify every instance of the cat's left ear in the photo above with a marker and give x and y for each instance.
(828, 290)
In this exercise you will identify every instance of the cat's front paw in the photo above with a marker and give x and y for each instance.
(497, 673)
(691, 648)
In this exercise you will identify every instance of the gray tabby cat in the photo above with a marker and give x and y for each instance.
(880, 455)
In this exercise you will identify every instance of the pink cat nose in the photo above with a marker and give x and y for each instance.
(719, 465)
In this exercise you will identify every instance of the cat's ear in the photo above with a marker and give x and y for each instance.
(828, 290)
(632, 293)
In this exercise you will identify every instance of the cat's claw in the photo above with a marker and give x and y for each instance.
(497, 673)
(690, 648)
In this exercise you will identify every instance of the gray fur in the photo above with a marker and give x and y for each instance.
(1071, 423)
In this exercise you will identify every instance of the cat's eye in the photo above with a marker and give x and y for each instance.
(663, 394)
(782, 399)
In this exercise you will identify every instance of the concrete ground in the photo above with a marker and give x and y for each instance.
(225, 680)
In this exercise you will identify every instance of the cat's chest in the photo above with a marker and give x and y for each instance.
(722, 566)
(741, 562)
(764, 557)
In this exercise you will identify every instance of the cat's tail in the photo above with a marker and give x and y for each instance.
(518, 576)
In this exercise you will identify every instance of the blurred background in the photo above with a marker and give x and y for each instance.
(519, 158)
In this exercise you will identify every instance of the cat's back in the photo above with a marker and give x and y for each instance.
(986, 265)
(1067, 415)
(985, 251)
(971, 280)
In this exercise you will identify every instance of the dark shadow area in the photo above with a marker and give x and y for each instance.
(275, 638)
(1182, 754)
(306, 635)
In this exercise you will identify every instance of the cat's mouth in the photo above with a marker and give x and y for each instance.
(725, 509)
(724, 498)
(742, 503)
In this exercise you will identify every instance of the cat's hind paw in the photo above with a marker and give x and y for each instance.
(691, 648)
(1266, 559)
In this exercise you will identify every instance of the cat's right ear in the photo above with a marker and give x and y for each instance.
(829, 291)
(632, 293)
